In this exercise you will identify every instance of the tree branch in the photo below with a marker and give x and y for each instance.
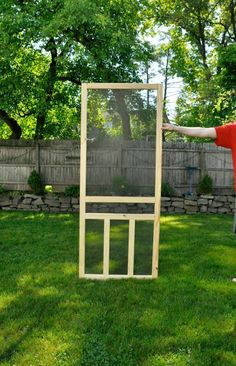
(70, 78)
(232, 7)
(12, 123)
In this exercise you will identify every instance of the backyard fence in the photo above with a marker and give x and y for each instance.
(58, 163)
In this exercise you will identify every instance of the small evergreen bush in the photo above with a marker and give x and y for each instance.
(167, 190)
(35, 182)
(72, 191)
(2, 189)
(205, 186)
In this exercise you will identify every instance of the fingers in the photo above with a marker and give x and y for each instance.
(167, 127)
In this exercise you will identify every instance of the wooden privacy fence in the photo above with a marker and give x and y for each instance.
(58, 162)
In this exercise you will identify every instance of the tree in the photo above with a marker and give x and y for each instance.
(200, 33)
(49, 47)
(226, 78)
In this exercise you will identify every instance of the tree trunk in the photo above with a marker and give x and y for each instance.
(52, 72)
(232, 7)
(39, 131)
(123, 112)
(165, 116)
(165, 120)
(12, 123)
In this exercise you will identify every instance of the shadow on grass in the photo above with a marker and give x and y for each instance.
(50, 317)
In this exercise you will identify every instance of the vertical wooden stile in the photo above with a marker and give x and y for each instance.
(158, 168)
(131, 247)
(106, 248)
(83, 163)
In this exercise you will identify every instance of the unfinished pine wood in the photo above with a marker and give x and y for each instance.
(157, 206)
(106, 247)
(130, 217)
(118, 216)
(131, 247)
(82, 246)
(119, 199)
(83, 152)
(122, 86)
(116, 277)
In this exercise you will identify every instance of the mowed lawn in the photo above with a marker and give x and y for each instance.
(48, 316)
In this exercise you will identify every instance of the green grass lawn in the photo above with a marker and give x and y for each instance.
(48, 316)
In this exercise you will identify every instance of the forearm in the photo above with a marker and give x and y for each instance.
(192, 131)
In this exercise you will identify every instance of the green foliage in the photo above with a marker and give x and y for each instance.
(167, 190)
(16, 193)
(120, 185)
(2, 189)
(48, 189)
(72, 191)
(48, 48)
(205, 186)
(202, 53)
(227, 65)
(35, 182)
(109, 111)
(225, 105)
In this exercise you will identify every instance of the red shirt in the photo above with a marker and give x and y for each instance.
(226, 137)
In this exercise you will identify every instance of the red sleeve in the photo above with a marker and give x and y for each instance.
(224, 135)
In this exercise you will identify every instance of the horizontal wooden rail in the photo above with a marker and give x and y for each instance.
(119, 199)
(118, 216)
(122, 86)
(115, 277)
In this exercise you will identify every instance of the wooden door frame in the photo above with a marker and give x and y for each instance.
(108, 217)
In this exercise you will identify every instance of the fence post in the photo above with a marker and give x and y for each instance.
(37, 157)
(202, 161)
(120, 160)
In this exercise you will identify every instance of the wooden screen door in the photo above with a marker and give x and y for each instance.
(130, 217)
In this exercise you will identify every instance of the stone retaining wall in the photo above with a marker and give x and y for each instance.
(203, 204)
(61, 203)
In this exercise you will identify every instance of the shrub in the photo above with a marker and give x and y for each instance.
(205, 186)
(48, 189)
(167, 190)
(120, 185)
(72, 191)
(35, 182)
(2, 189)
(16, 193)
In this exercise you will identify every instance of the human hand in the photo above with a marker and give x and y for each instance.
(169, 127)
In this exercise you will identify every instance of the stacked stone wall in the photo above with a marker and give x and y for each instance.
(61, 203)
